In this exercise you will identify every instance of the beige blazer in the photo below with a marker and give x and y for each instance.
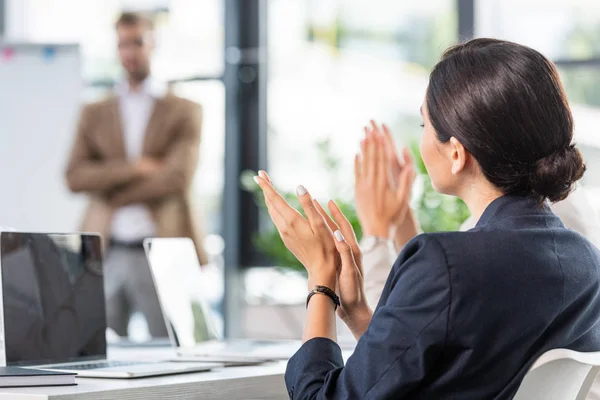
(99, 167)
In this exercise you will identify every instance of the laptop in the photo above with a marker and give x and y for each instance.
(180, 282)
(53, 312)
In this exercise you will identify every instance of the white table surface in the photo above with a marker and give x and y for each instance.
(262, 382)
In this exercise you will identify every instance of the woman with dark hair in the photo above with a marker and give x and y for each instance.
(463, 314)
(387, 228)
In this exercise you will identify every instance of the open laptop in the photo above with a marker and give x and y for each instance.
(178, 279)
(53, 313)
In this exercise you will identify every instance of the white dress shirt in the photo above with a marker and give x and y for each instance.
(133, 222)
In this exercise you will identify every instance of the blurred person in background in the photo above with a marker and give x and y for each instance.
(135, 155)
(387, 228)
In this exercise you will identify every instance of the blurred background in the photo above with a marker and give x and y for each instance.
(286, 85)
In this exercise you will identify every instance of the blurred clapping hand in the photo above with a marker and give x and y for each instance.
(383, 186)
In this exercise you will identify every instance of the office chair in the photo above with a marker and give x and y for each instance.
(560, 374)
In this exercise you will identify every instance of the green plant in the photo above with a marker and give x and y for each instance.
(436, 212)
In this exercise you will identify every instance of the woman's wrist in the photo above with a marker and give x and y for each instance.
(358, 319)
(380, 230)
(405, 230)
(322, 280)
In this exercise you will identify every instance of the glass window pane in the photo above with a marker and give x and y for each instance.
(334, 65)
(581, 85)
(559, 29)
(208, 181)
(190, 40)
(189, 34)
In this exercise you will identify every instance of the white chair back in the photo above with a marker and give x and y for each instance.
(560, 374)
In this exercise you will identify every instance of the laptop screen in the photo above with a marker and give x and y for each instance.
(53, 298)
(182, 288)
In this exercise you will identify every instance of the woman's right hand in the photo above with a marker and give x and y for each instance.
(354, 309)
(383, 184)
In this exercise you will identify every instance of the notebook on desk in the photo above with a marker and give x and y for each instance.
(53, 309)
(28, 377)
(177, 275)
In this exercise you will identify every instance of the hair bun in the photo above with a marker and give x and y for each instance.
(555, 175)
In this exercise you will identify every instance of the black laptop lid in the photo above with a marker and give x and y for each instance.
(53, 298)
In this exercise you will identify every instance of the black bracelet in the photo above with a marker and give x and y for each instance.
(327, 292)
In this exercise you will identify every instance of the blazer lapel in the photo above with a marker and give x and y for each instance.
(155, 124)
(117, 131)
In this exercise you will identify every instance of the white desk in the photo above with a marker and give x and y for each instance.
(262, 382)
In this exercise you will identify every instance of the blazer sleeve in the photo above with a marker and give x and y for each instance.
(405, 339)
(179, 165)
(86, 172)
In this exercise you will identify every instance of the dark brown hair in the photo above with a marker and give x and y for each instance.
(505, 103)
(134, 18)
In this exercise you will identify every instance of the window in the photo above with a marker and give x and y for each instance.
(559, 29)
(208, 182)
(183, 25)
(334, 65)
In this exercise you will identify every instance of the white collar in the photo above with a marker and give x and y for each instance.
(150, 86)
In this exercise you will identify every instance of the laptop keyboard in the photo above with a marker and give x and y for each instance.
(102, 364)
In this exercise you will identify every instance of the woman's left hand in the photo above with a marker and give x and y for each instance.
(383, 183)
(309, 239)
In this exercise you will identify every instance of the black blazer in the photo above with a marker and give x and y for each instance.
(464, 314)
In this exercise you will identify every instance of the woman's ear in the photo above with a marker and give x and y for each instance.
(458, 156)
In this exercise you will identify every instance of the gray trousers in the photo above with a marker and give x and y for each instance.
(128, 287)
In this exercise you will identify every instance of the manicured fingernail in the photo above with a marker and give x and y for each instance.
(261, 174)
(338, 235)
(256, 179)
(301, 190)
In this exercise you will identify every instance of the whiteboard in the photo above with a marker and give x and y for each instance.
(40, 94)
